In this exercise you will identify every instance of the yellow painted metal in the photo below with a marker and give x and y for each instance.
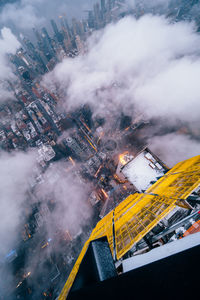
(125, 205)
(139, 213)
(104, 228)
(183, 204)
(73, 273)
(180, 181)
(136, 221)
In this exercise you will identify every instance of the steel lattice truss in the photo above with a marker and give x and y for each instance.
(134, 217)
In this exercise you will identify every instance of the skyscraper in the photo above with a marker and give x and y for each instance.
(103, 6)
(55, 28)
(132, 220)
(58, 35)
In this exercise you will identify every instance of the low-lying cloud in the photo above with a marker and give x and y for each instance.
(8, 45)
(150, 65)
(69, 195)
(23, 15)
(16, 169)
(173, 148)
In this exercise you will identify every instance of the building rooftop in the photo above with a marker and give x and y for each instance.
(142, 170)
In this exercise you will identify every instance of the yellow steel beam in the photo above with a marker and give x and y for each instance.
(139, 219)
(139, 213)
(73, 273)
(180, 181)
(103, 228)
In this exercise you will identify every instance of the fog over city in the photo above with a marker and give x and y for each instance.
(146, 69)
(23, 15)
(144, 66)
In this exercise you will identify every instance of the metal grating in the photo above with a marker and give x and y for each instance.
(139, 219)
(139, 213)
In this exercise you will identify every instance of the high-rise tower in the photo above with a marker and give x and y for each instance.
(134, 221)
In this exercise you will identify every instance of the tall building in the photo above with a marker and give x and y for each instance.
(90, 19)
(58, 35)
(137, 221)
(109, 5)
(103, 6)
(97, 16)
(44, 31)
(55, 28)
(37, 34)
(79, 44)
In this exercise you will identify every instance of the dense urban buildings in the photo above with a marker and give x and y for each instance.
(109, 155)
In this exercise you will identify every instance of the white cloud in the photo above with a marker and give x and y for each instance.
(26, 14)
(173, 148)
(8, 45)
(70, 196)
(22, 14)
(154, 64)
(14, 182)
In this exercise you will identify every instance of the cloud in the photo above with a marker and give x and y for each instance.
(16, 169)
(22, 14)
(147, 65)
(173, 148)
(70, 196)
(8, 45)
(69, 212)
(26, 14)
(154, 63)
(173, 92)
